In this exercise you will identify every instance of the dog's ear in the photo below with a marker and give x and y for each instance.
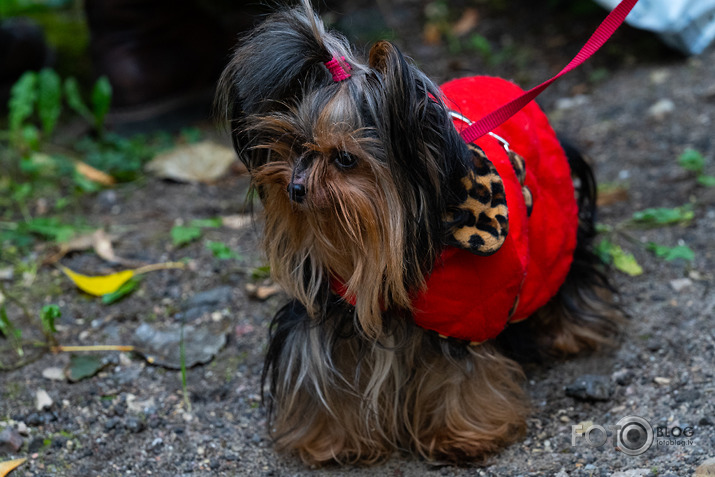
(478, 221)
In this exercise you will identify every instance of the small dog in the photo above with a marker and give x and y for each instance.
(406, 251)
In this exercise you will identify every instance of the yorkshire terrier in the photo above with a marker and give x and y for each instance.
(410, 256)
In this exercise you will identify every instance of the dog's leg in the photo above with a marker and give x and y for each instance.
(464, 403)
(327, 390)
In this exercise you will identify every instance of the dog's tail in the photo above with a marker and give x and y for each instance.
(583, 314)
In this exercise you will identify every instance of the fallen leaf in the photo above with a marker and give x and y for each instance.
(198, 162)
(466, 23)
(432, 34)
(10, 465)
(612, 195)
(104, 284)
(83, 366)
(95, 175)
(42, 400)
(127, 287)
(625, 262)
(99, 285)
(99, 240)
(182, 235)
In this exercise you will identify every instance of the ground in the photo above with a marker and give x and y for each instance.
(634, 110)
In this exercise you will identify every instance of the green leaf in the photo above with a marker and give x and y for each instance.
(706, 180)
(259, 273)
(671, 253)
(603, 251)
(23, 96)
(215, 222)
(221, 251)
(127, 287)
(50, 228)
(101, 99)
(48, 315)
(49, 104)
(181, 235)
(31, 136)
(82, 366)
(692, 160)
(625, 262)
(8, 330)
(664, 215)
(74, 99)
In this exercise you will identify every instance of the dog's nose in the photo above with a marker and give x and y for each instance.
(296, 192)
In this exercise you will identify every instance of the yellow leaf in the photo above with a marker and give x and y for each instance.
(100, 285)
(10, 465)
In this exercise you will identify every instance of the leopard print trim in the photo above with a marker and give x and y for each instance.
(519, 166)
(480, 222)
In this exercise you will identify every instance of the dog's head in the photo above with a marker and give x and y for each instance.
(363, 179)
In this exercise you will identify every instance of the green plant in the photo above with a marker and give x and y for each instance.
(692, 160)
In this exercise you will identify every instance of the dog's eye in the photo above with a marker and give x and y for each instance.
(345, 160)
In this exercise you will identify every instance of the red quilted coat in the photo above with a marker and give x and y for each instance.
(473, 297)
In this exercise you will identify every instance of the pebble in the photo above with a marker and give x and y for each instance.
(7, 274)
(623, 377)
(42, 400)
(10, 441)
(661, 381)
(53, 374)
(661, 109)
(590, 387)
(134, 425)
(22, 429)
(680, 284)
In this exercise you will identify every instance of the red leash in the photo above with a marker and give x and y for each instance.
(600, 36)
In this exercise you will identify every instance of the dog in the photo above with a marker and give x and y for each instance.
(411, 258)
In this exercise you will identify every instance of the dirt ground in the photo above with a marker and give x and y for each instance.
(634, 109)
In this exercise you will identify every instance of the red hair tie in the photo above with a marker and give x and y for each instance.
(338, 68)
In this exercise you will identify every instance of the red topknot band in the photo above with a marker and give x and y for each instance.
(338, 68)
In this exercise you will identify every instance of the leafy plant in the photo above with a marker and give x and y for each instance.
(692, 160)
(664, 216)
(624, 261)
(182, 235)
(48, 315)
(221, 251)
(671, 253)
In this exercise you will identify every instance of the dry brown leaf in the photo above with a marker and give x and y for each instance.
(95, 175)
(98, 240)
(612, 196)
(199, 162)
(466, 23)
(432, 34)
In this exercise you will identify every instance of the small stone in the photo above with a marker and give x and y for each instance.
(680, 284)
(661, 109)
(706, 469)
(134, 425)
(10, 441)
(111, 423)
(623, 377)
(262, 292)
(22, 429)
(53, 374)
(590, 387)
(661, 380)
(42, 400)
